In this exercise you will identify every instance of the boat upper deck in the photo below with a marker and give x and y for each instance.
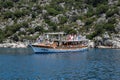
(60, 39)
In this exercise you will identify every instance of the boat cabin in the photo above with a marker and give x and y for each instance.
(61, 40)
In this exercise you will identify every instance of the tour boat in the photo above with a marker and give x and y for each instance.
(59, 45)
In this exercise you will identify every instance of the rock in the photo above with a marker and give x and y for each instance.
(62, 5)
(98, 41)
(21, 45)
(108, 42)
(80, 23)
(116, 44)
(22, 29)
(106, 36)
(91, 44)
(55, 19)
(33, 8)
(36, 33)
(13, 45)
(102, 19)
(85, 11)
(10, 21)
(112, 2)
(2, 27)
(117, 28)
(44, 11)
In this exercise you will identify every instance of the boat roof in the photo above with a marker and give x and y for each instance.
(72, 40)
(54, 33)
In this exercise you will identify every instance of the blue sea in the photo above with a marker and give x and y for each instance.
(94, 64)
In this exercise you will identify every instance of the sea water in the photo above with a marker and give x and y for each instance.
(94, 64)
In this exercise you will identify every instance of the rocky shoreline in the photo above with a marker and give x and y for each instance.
(115, 46)
(107, 47)
(91, 44)
(13, 45)
(106, 41)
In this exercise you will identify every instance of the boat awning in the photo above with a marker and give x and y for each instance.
(85, 40)
(55, 33)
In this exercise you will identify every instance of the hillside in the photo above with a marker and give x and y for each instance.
(27, 19)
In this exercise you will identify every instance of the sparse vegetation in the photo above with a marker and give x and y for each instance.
(17, 14)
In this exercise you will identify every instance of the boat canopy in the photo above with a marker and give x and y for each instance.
(55, 33)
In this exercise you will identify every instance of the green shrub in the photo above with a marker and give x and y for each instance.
(63, 19)
(109, 27)
(1, 35)
(6, 4)
(16, 14)
(90, 11)
(15, 0)
(21, 33)
(100, 28)
(91, 36)
(50, 23)
(34, 0)
(111, 12)
(8, 14)
(112, 20)
(96, 2)
(52, 11)
(12, 29)
(38, 9)
(89, 14)
(94, 34)
(53, 26)
(118, 4)
(101, 9)
(39, 28)
(74, 18)
(89, 21)
(57, 7)
(30, 37)
(68, 30)
(31, 30)
(20, 13)
(33, 15)
(25, 24)
(8, 33)
(15, 37)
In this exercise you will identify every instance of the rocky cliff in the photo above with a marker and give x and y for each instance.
(99, 20)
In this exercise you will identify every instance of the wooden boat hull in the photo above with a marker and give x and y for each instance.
(52, 50)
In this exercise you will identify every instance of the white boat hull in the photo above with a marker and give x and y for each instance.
(52, 50)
